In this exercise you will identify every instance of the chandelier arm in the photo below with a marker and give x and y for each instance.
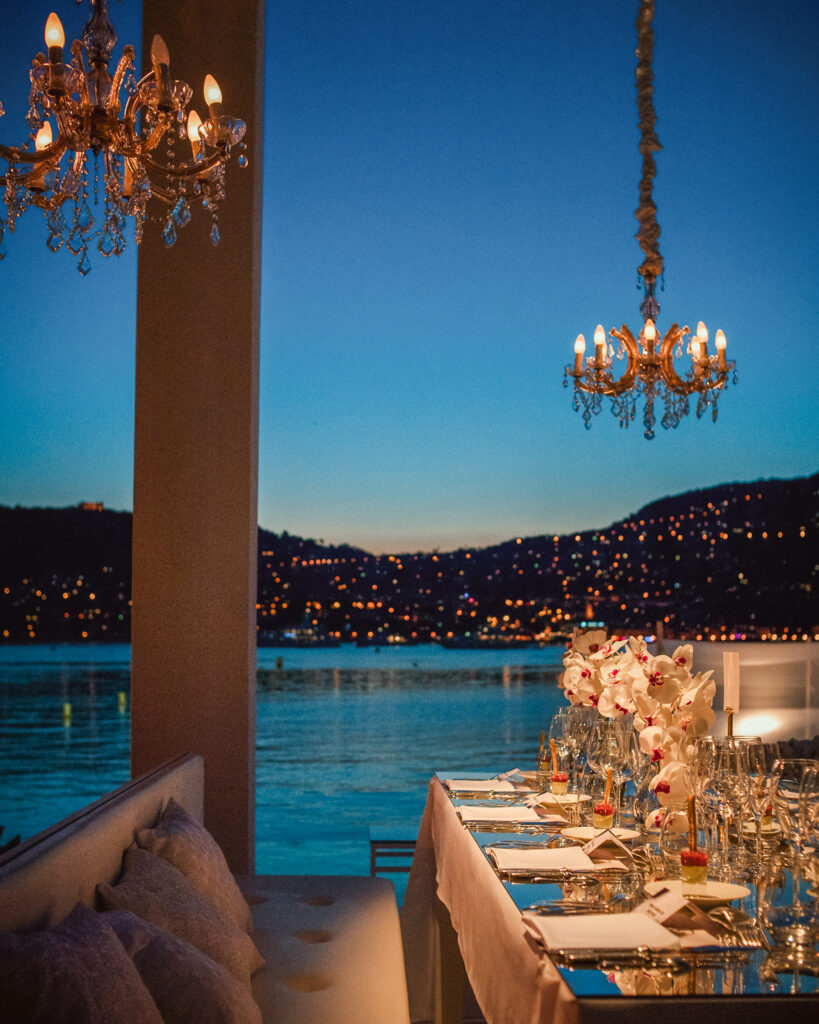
(191, 170)
(126, 61)
(626, 381)
(79, 65)
(673, 381)
(648, 234)
(163, 122)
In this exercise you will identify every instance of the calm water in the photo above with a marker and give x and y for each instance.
(347, 737)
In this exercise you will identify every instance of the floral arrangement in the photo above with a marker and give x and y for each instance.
(669, 704)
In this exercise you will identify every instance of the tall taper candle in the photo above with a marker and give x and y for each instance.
(730, 674)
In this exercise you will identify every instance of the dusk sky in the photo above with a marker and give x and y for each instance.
(449, 199)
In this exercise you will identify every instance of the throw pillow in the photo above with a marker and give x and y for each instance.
(153, 889)
(76, 973)
(179, 838)
(187, 986)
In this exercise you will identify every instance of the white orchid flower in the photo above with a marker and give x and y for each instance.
(672, 784)
(615, 701)
(588, 641)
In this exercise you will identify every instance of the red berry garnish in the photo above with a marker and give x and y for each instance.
(693, 858)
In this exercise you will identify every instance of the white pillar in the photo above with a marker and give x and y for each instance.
(196, 446)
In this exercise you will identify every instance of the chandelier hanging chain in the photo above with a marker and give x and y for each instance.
(83, 99)
(648, 234)
(650, 370)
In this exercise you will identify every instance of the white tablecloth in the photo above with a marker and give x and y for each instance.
(512, 984)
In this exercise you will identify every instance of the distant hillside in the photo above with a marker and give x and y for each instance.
(734, 558)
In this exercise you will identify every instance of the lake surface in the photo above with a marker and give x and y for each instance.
(346, 737)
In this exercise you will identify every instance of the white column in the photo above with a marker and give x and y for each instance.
(196, 446)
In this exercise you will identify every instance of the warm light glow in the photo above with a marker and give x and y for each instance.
(213, 94)
(159, 51)
(44, 137)
(650, 331)
(54, 32)
(579, 345)
(599, 335)
(194, 122)
(695, 348)
(720, 341)
(762, 724)
(702, 331)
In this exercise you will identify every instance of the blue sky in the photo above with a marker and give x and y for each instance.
(449, 198)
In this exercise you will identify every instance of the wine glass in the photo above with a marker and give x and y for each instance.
(580, 720)
(559, 733)
(726, 792)
(794, 792)
(611, 748)
(762, 756)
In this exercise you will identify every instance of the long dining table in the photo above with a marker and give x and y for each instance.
(462, 923)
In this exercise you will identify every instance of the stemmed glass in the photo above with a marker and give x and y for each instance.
(726, 791)
(613, 746)
(762, 756)
(578, 724)
(794, 793)
(560, 731)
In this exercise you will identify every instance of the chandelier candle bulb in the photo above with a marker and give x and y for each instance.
(55, 41)
(720, 342)
(194, 124)
(599, 345)
(579, 349)
(213, 98)
(161, 59)
(42, 141)
(702, 342)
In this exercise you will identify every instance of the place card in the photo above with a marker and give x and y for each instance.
(674, 911)
(594, 848)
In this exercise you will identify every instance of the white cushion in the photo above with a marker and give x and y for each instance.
(333, 951)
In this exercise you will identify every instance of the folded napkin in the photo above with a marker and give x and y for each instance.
(484, 786)
(566, 858)
(503, 812)
(600, 931)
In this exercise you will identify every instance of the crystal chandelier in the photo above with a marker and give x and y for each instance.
(116, 144)
(649, 359)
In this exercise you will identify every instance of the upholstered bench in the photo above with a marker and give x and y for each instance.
(332, 944)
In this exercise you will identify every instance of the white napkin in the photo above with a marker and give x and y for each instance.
(504, 812)
(571, 858)
(484, 786)
(600, 931)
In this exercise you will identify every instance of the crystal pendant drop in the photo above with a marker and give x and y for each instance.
(84, 219)
(107, 244)
(84, 266)
(215, 237)
(169, 234)
(182, 212)
(75, 242)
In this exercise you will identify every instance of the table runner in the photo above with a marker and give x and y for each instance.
(511, 983)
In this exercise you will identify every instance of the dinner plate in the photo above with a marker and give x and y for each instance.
(714, 894)
(567, 799)
(749, 829)
(586, 832)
